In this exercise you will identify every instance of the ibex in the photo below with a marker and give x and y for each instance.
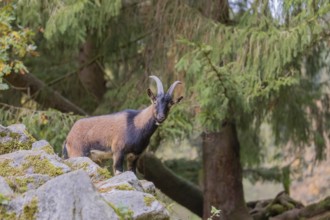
(119, 134)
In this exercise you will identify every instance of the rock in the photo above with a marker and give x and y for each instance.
(148, 187)
(69, 196)
(24, 162)
(138, 205)
(43, 145)
(124, 181)
(21, 184)
(5, 190)
(13, 138)
(94, 171)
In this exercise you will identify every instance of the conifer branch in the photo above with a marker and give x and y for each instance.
(214, 68)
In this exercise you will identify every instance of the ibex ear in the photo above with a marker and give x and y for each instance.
(178, 100)
(151, 95)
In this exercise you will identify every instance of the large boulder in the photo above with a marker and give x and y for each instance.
(69, 196)
(126, 194)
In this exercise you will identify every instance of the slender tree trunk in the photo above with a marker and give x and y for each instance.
(91, 75)
(223, 186)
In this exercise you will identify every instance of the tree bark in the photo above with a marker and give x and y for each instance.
(43, 94)
(217, 10)
(91, 75)
(178, 189)
(223, 186)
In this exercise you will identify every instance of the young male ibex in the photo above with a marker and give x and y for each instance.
(119, 134)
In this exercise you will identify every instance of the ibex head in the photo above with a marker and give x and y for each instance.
(162, 101)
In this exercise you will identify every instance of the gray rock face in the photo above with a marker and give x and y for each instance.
(66, 197)
(94, 171)
(4, 187)
(148, 187)
(124, 181)
(143, 206)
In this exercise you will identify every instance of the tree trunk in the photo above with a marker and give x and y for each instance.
(217, 10)
(223, 186)
(43, 94)
(175, 187)
(91, 75)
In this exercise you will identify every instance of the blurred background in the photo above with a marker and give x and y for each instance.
(254, 120)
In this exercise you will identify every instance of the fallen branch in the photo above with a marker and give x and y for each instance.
(178, 189)
(42, 93)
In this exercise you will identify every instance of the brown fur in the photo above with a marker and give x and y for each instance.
(103, 129)
(142, 119)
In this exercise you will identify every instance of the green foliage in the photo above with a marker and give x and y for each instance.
(50, 125)
(254, 72)
(214, 213)
(68, 23)
(15, 43)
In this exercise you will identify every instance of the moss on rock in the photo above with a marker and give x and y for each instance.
(20, 184)
(6, 169)
(117, 187)
(148, 200)
(48, 149)
(35, 162)
(29, 210)
(4, 213)
(104, 172)
(41, 165)
(12, 141)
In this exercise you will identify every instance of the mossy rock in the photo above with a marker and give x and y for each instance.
(4, 213)
(94, 171)
(44, 146)
(124, 186)
(14, 138)
(21, 184)
(148, 200)
(30, 210)
(23, 162)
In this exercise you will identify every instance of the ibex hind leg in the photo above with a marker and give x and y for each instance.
(99, 156)
(132, 161)
(118, 162)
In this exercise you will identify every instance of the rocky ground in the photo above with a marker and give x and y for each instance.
(37, 184)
